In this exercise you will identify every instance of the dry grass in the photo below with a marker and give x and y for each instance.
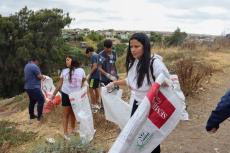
(191, 74)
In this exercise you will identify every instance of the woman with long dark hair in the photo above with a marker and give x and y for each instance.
(71, 80)
(138, 67)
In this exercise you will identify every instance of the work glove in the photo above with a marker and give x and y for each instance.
(52, 97)
(117, 76)
(88, 77)
(166, 83)
(85, 84)
(109, 76)
(109, 86)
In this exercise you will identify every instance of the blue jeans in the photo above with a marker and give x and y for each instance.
(35, 96)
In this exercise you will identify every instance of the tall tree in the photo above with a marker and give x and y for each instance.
(25, 34)
(177, 37)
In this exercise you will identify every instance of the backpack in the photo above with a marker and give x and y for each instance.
(151, 69)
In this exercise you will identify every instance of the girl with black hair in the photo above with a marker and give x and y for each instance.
(139, 76)
(71, 80)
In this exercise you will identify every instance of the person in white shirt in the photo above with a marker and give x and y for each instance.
(71, 80)
(139, 77)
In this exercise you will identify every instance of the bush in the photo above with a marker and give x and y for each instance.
(100, 47)
(14, 137)
(124, 40)
(120, 49)
(81, 57)
(61, 145)
(191, 74)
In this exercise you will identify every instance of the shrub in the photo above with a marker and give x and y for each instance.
(191, 74)
(74, 145)
(14, 137)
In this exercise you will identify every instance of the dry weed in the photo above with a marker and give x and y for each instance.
(191, 74)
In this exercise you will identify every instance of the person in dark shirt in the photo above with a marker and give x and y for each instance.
(32, 86)
(220, 114)
(94, 78)
(106, 64)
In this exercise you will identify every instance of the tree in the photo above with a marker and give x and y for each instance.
(155, 37)
(86, 29)
(25, 34)
(123, 40)
(118, 36)
(120, 49)
(177, 38)
(100, 46)
(101, 37)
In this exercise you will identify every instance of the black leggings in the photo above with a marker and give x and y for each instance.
(134, 108)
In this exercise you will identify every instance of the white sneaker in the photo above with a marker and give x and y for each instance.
(75, 130)
(96, 106)
(94, 110)
(67, 137)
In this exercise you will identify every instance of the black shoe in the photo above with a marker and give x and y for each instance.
(35, 116)
(39, 118)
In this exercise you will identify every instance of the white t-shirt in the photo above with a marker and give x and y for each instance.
(75, 84)
(131, 80)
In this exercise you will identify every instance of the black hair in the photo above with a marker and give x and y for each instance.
(144, 62)
(34, 58)
(108, 43)
(74, 64)
(89, 49)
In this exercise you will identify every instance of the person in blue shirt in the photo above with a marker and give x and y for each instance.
(94, 79)
(220, 114)
(32, 86)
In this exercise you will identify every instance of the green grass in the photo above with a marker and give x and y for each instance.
(22, 105)
(16, 99)
(61, 145)
(13, 136)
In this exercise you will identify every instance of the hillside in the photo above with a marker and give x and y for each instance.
(188, 136)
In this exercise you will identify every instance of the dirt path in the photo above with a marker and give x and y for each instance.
(191, 136)
(188, 137)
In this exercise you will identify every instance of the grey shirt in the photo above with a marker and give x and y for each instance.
(107, 62)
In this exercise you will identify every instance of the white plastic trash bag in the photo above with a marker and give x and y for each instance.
(48, 87)
(154, 119)
(116, 110)
(177, 90)
(82, 111)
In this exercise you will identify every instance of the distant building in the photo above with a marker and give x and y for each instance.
(124, 36)
(85, 32)
(68, 32)
(109, 36)
(115, 41)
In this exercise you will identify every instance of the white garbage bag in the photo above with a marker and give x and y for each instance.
(177, 90)
(116, 110)
(82, 111)
(154, 119)
(48, 87)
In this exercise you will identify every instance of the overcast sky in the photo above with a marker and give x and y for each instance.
(191, 16)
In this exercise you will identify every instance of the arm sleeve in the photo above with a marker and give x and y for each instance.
(115, 57)
(36, 70)
(93, 59)
(159, 67)
(127, 81)
(62, 75)
(221, 113)
(99, 60)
